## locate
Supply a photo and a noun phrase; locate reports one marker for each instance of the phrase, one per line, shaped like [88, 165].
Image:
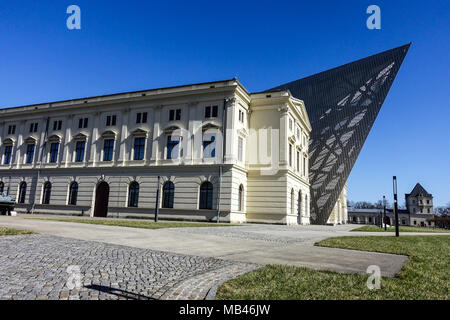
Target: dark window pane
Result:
[79, 151]
[47, 193]
[22, 192]
[108, 148]
[73, 193]
[172, 147]
[168, 194]
[85, 124]
[108, 120]
[171, 115]
[80, 123]
[113, 122]
[214, 111]
[138, 117]
[54, 152]
[206, 195]
[178, 116]
[207, 112]
[139, 148]
[8, 152]
[144, 117]
[30, 153]
[133, 194]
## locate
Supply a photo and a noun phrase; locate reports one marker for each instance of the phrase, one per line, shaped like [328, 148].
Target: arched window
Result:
[206, 195]
[306, 206]
[2, 187]
[168, 194]
[47, 193]
[133, 194]
[73, 193]
[292, 201]
[241, 198]
[22, 192]
[299, 209]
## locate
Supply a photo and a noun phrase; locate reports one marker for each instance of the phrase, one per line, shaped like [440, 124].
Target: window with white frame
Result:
[174, 114]
[241, 149]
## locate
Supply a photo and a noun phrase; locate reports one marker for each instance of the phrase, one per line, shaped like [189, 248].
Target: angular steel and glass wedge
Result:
[342, 105]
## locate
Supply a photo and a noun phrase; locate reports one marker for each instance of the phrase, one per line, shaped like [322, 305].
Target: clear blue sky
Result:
[133, 45]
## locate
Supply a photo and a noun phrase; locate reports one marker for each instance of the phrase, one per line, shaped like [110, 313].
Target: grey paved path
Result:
[259, 244]
[36, 267]
[178, 263]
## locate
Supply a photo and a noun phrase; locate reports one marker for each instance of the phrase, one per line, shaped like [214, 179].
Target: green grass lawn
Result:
[424, 276]
[401, 229]
[144, 224]
[12, 232]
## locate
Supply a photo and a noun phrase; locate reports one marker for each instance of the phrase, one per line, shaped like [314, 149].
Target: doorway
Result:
[101, 200]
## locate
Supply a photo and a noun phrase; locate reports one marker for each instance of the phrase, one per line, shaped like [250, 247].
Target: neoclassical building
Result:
[218, 150]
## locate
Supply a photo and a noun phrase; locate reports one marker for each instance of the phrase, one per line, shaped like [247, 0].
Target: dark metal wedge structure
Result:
[342, 105]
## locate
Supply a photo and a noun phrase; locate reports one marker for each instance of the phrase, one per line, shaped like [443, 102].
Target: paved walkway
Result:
[44, 267]
[215, 254]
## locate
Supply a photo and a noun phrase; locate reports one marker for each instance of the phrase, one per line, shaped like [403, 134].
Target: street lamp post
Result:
[157, 200]
[384, 212]
[395, 206]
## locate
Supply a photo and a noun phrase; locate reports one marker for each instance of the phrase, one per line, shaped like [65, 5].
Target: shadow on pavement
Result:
[119, 292]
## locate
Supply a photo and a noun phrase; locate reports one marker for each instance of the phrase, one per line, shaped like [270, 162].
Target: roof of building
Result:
[399, 211]
[357, 210]
[419, 191]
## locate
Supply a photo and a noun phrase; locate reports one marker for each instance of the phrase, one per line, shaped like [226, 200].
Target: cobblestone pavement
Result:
[36, 267]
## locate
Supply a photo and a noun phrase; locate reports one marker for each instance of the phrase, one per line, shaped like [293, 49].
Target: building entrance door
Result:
[101, 200]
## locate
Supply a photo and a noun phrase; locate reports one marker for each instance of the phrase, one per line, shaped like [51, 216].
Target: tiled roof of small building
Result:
[419, 191]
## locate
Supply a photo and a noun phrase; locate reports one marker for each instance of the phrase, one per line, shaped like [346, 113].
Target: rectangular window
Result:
[108, 148]
[111, 120]
[54, 152]
[298, 161]
[209, 147]
[57, 124]
[33, 127]
[241, 116]
[141, 117]
[240, 148]
[171, 115]
[214, 111]
[12, 129]
[79, 151]
[30, 153]
[8, 152]
[172, 147]
[208, 112]
[82, 123]
[178, 114]
[139, 147]
[290, 155]
[304, 166]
